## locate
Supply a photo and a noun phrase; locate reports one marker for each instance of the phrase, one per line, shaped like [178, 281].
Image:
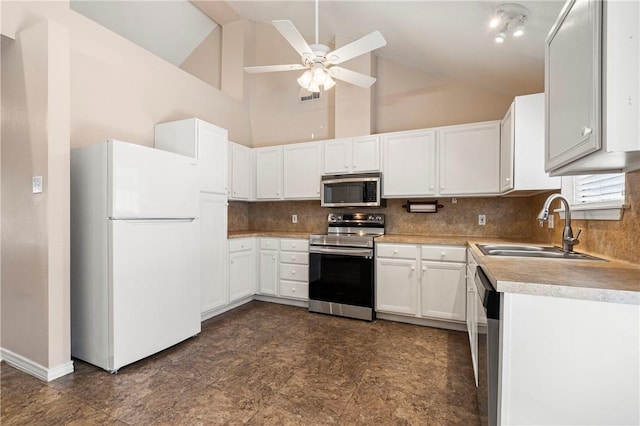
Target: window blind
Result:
[598, 188]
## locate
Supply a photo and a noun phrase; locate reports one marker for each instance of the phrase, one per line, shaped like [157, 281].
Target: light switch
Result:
[36, 183]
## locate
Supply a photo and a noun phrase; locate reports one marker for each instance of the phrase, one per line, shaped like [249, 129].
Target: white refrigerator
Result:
[135, 284]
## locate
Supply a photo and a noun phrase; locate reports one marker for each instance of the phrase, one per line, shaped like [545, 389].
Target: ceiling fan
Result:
[319, 62]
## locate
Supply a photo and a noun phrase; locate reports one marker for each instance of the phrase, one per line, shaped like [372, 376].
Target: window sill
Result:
[605, 211]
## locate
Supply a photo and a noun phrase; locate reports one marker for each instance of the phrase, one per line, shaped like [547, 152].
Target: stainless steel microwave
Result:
[358, 190]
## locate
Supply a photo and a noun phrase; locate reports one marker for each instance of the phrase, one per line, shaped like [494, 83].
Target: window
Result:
[597, 197]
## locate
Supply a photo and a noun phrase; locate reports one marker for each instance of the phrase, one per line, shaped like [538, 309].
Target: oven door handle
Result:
[366, 253]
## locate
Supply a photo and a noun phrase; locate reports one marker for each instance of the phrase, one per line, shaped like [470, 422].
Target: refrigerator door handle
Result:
[155, 220]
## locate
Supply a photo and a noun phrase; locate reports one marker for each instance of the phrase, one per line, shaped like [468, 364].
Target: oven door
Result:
[341, 275]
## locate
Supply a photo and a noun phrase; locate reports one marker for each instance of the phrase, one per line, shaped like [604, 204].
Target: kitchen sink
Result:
[545, 252]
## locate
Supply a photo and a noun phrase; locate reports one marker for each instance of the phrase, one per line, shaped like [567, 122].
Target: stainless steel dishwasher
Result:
[488, 349]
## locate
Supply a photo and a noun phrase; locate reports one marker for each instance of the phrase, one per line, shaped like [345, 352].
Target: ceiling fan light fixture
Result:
[319, 75]
[329, 83]
[518, 31]
[500, 37]
[305, 79]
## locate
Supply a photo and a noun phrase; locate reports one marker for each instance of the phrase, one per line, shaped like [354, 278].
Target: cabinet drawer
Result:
[294, 272]
[444, 253]
[293, 289]
[294, 245]
[268, 243]
[403, 251]
[294, 257]
[240, 244]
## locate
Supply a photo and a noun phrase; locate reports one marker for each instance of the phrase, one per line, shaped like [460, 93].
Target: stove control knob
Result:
[332, 217]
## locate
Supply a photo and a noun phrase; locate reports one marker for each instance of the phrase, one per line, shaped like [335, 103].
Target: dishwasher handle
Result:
[488, 294]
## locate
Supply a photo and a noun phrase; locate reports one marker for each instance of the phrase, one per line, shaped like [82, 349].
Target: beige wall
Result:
[35, 227]
[616, 239]
[205, 60]
[407, 98]
[119, 90]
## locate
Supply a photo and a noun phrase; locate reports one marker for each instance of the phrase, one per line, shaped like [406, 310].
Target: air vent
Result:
[306, 96]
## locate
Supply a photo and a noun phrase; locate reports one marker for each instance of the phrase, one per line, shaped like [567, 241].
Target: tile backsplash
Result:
[506, 217]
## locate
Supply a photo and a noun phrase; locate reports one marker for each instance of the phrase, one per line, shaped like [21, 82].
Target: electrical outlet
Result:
[36, 184]
[482, 219]
[454, 201]
[294, 218]
[550, 221]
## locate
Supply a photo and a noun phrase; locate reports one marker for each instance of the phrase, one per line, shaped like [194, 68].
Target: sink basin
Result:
[545, 252]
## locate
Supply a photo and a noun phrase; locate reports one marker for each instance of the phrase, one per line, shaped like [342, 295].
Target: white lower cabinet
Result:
[294, 268]
[268, 267]
[242, 267]
[396, 286]
[435, 291]
[284, 268]
[214, 287]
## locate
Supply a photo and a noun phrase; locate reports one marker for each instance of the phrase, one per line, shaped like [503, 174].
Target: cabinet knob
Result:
[413, 268]
[586, 131]
[293, 245]
[293, 272]
[424, 269]
[346, 166]
[443, 254]
[274, 258]
[293, 258]
[395, 252]
[508, 179]
[277, 192]
[232, 261]
[293, 290]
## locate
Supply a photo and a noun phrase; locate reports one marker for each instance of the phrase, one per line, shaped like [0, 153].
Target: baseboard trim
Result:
[449, 325]
[33, 368]
[282, 300]
[215, 312]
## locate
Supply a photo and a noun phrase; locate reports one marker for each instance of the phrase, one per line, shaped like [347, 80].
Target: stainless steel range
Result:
[341, 265]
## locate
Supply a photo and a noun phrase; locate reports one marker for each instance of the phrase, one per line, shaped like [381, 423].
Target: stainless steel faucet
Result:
[568, 240]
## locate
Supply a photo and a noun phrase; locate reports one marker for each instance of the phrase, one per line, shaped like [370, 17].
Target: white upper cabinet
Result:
[469, 159]
[269, 173]
[352, 155]
[302, 165]
[240, 172]
[522, 148]
[409, 164]
[201, 140]
[593, 89]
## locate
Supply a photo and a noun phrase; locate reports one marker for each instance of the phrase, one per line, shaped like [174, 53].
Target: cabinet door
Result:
[242, 273]
[470, 159]
[240, 172]
[302, 170]
[507, 142]
[213, 252]
[269, 173]
[212, 158]
[337, 157]
[396, 286]
[268, 272]
[572, 84]
[472, 326]
[409, 164]
[443, 294]
[366, 154]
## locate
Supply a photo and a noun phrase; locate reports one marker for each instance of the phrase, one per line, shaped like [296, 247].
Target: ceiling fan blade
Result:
[352, 77]
[274, 68]
[293, 36]
[359, 47]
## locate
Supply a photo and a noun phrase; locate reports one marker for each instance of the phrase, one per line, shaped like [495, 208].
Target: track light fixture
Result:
[509, 19]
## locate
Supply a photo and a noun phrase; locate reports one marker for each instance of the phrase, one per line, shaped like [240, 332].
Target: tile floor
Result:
[266, 364]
